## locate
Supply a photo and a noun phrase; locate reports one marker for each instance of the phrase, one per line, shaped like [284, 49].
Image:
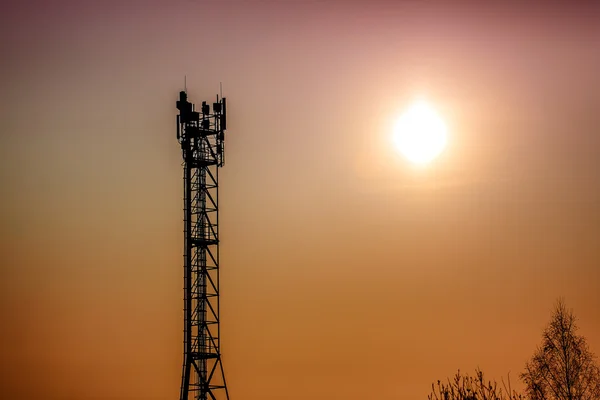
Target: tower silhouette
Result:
[201, 135]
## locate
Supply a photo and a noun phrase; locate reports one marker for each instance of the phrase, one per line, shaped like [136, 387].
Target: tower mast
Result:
[201, 135]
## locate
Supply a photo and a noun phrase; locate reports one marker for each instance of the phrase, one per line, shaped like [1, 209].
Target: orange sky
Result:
[346, 272]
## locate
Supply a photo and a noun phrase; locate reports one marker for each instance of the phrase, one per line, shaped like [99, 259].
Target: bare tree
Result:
[465, 387]
[563, 367]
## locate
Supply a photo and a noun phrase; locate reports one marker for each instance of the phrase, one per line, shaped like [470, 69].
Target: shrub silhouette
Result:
[466, 387]
[562, 368]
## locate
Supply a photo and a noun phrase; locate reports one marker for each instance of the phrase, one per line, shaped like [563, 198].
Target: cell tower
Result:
[201, 135]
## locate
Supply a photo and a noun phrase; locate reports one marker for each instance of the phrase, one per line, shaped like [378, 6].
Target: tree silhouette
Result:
[465, 387]
[563, 367]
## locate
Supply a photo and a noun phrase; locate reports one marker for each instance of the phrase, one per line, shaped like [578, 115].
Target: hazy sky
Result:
[346, 272]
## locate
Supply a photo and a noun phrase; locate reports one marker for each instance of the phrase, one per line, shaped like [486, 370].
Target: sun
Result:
[420, 134]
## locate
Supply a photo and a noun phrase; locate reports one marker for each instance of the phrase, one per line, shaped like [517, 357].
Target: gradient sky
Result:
[346, 272]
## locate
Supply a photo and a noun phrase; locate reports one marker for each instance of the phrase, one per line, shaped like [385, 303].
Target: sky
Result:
[346, 271]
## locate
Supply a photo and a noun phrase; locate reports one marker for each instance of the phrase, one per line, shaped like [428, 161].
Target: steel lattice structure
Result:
[201, 135]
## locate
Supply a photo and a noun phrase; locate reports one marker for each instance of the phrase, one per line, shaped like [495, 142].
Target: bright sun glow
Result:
[420, 134]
